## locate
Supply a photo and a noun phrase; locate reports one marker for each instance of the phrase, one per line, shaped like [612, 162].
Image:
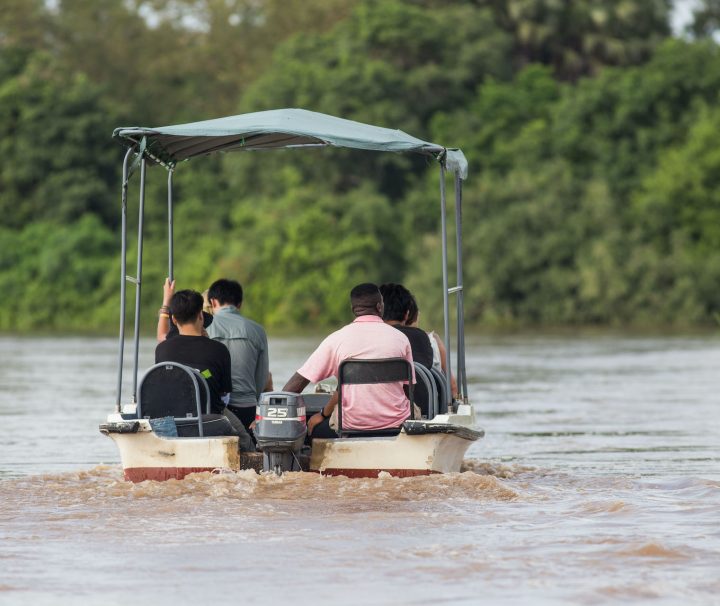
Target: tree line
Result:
[589, 127]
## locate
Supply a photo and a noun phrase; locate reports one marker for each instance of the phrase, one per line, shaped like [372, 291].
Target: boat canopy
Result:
[279, 128]
[276, 129]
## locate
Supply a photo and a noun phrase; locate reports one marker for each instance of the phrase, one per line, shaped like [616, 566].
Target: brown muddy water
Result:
[598, 483]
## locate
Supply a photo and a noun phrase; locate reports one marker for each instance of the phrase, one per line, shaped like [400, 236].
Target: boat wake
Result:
[498, 470]
[103, 483]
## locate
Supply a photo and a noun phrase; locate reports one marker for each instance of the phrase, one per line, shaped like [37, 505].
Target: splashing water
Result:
[598, 483]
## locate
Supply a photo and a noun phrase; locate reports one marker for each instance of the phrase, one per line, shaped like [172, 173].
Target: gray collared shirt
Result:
[247, 342]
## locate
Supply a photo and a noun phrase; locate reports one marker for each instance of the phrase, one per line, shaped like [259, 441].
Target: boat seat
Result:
[426, 393]
[367, 372]
[170, 389]
[442, 390]
[422, 391]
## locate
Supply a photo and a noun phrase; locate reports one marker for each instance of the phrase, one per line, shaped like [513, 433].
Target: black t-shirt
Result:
[210, 357]
[419, 344]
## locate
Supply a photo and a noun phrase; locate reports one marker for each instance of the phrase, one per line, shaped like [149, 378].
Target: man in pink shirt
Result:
[376, 406]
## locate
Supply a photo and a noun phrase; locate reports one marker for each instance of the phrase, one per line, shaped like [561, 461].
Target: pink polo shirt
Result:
[376, 406]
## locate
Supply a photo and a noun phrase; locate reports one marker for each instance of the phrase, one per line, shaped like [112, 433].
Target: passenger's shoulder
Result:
[256, 325]
[392, 330]
[343, 331]
[161, 348]
[254, 330]
[400, 335]
[417, 331]
[215, 344]
[335, 338]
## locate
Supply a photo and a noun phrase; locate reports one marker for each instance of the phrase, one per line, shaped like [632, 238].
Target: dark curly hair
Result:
[413, 312]
[399, 302]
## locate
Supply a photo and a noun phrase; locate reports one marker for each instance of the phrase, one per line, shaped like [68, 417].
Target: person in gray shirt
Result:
[247, 342]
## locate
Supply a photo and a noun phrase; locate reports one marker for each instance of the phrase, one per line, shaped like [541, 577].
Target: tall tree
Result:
[705, 19]
[23, 24]
[577, 38]
[168, 61]
[54, 137]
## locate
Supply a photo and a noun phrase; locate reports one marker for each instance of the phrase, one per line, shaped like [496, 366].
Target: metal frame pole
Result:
[170, 226]
[461, 374]
[123, 273]
[138, 279]
[446, 304]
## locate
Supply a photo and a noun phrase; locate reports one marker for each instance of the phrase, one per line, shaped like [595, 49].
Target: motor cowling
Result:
[280, 430]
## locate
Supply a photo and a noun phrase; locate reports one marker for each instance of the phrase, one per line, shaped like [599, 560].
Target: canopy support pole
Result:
[446, 304]
[461, 374]
[123, 272]
[171, 274]
[138, 279]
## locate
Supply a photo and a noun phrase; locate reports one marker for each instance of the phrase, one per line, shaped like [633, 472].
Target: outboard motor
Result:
[280, 430]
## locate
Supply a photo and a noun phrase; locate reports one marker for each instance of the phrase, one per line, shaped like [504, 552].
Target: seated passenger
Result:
[398, 303]
[439, 357]
[210, 358]
[365, 407]
[247, 342]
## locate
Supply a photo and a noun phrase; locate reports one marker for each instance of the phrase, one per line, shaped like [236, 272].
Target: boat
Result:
[435, 443]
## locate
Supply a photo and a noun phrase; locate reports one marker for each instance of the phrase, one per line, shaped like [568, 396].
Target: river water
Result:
[598, 482]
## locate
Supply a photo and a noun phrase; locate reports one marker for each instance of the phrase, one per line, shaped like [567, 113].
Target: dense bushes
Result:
[592, 195]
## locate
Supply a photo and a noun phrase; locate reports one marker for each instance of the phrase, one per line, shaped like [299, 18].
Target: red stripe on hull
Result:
[373, 473]
[160, 474]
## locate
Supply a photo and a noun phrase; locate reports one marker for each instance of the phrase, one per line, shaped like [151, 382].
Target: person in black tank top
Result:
[398, 303]
[439, 357]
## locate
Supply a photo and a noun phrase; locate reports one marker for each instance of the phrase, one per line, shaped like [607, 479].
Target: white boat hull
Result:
[147, 456]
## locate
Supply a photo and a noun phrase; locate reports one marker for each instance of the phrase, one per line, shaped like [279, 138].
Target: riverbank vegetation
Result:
[591, 130]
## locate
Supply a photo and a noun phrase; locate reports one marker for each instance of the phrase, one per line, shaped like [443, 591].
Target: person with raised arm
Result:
[210, 358]
[166, 328]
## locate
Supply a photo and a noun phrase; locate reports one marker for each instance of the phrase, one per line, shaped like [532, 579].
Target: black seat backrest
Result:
[170, 389]
[422, 392]
[367, 372]
[426, 395]
[442, 389]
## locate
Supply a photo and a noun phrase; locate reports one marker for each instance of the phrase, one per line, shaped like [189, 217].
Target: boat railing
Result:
[144, 146]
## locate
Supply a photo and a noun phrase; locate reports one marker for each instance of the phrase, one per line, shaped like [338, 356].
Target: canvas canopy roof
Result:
[278, 128]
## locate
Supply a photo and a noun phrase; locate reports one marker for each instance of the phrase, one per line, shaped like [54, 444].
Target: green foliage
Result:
[56, 274]
[679, 207]
[392, 63]
[616, 124]
[706, 19]
[302, 252]
[57, 163]
[520, 113]
[592, 195]
[597, 202]
[689, 172]
[171, 61]
[579, 38]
